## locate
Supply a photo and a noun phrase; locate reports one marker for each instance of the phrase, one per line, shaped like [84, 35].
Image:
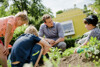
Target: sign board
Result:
[68, 27]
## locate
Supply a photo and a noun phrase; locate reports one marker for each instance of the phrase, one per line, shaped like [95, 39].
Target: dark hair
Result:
[46, 16]
[91, 19]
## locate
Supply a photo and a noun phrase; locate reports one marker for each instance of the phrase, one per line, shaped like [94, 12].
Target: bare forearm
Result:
[8, 35]
[46, 39]
[42, 38]
[43, 42]
[8, 38]
[59, 40]
[85, 43]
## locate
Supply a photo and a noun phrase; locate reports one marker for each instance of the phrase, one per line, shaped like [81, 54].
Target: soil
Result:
[75, 60]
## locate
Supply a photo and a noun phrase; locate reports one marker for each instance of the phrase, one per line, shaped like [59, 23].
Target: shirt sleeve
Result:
[41, 33]
[60, 30]
[11, 21]
[36, 39]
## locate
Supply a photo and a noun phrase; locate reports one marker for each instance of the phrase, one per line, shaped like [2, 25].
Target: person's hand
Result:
[6, 51]
[51, 41]
[46, 49]
[54, 43]
[75, 51]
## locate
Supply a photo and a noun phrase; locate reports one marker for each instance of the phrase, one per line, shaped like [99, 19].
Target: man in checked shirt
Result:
[53, 32]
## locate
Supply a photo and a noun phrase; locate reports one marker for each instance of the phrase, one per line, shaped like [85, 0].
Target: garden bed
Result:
[76, 60]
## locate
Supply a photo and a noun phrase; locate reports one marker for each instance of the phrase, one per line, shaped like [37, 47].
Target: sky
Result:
[56, 5]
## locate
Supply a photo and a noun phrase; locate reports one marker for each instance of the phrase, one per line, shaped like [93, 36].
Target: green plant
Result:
[93, 50]
[70, 42]
[54, 55]
[9, 63]
[68, 52]
[93, 47]
[47, 62]
[20, 30]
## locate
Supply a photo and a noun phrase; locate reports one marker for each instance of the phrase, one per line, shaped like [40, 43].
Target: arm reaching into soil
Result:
[46, 46]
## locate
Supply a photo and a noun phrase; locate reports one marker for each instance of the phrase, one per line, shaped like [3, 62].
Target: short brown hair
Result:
[31, 30]
[85, 22]
[22, 15]
[46, 16]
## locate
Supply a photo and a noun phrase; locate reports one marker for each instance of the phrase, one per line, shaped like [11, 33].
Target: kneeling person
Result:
[22, 47]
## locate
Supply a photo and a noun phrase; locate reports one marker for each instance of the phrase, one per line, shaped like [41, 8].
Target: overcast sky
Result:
[56, 5]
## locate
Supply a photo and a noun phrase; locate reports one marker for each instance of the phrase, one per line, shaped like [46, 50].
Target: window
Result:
[68, 27]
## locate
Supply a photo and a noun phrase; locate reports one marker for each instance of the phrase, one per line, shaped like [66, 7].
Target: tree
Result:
[96, 7]
[1, 0]
[75, 6]
[3, 7]
[87, 11]
[34, 7]
[59, 12]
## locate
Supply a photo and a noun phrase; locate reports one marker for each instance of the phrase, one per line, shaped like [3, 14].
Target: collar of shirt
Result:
[50, 27]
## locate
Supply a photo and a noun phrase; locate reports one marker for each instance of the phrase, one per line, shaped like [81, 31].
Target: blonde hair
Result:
[22, 15]
[31, 30]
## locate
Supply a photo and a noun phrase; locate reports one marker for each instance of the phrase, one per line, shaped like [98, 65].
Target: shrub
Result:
[59, 12]
[20, 30]
[70, 42]
[93, 50]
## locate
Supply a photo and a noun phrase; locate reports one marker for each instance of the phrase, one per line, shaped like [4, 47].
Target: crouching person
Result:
[22, 48]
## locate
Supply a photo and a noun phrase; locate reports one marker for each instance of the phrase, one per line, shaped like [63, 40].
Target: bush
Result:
[20, 30]
[70, 42]
[59, 12]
